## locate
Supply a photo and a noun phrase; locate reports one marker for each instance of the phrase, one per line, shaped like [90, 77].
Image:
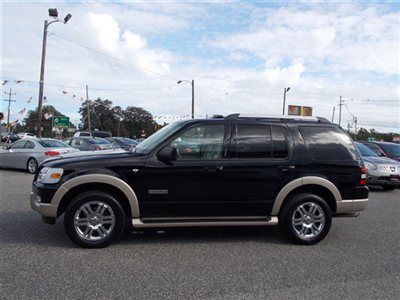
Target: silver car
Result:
[27, 154]
[381, 171]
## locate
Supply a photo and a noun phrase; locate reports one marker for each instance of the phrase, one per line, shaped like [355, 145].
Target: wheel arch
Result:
[313, 184]
[73, 187]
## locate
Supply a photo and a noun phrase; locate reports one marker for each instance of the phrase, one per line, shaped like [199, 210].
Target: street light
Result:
[54, 14]
[285, 90]
[192, 83]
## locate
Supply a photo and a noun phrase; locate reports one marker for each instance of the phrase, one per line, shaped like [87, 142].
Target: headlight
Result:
[370, 166]
[50, 175]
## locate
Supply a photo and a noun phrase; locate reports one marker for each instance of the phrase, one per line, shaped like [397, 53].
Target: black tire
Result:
[93, 197]
[288, 211]
[32, 165]
[388, 187]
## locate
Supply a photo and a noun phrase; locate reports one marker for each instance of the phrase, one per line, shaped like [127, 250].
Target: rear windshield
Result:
[328, 143]
[52, 144]
[97, 141]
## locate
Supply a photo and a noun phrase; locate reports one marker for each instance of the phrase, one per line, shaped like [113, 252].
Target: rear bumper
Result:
[351, 206]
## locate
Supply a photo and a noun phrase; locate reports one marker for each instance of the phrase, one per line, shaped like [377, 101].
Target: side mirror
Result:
[168, 154]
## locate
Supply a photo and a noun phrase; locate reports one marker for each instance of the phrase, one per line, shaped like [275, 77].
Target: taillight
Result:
[51, 153]
[363, 180]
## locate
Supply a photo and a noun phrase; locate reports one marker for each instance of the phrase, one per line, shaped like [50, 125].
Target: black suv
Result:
[233, 171]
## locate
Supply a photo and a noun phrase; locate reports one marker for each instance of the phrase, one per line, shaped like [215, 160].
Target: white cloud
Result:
[320, 52]
[289, 75]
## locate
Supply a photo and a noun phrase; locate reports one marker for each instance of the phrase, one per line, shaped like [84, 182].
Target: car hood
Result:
[95, 159]
[380, 160]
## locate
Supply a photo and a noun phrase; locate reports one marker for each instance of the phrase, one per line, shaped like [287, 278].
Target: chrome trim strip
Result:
[137, 223]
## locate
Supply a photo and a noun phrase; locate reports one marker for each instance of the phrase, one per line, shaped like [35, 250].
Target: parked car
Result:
[27, 154]
[88, 144]
[9, 138]
[385, 149]
[23, 135]
[95, 133]
[381, 171]
[123, 143]
[245, 171]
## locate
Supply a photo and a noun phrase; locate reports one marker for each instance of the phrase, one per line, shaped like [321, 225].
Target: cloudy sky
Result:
[241, 56]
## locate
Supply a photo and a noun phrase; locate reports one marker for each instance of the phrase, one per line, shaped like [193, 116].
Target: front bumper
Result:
[45, 209]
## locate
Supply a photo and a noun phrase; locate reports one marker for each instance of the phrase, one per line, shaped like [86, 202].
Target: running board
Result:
[202, 222]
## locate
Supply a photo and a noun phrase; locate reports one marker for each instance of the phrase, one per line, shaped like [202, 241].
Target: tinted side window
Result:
[252, 141]
[279, 144]
[29, 145]
[201, 142]
[18, 145]
[328, 143]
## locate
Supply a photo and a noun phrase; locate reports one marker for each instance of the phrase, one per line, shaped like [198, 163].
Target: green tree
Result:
[32, 117]
[138, 121]
[102, 116]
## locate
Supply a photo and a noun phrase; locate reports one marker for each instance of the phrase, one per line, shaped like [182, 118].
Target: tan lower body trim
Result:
[349, 206]
[137, 223]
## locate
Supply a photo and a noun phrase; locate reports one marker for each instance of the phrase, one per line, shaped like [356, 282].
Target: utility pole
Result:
[41, 82]
[285, 90]
[340, 110]
[333, 113]
[54, 14]
[192, 99]
[355, 128]
[88, 107]
[192, 84]
[10, 93]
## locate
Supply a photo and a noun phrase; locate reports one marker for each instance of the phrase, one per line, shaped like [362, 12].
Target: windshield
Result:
[365, 151]
[52, 144]
[392, 149]
[97, 141]
[156, 138]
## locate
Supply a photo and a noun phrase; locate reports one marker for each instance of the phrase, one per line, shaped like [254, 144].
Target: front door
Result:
[188, 187]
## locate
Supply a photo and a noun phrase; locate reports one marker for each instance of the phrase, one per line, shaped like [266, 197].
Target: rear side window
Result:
[252, 141]
[328, 143]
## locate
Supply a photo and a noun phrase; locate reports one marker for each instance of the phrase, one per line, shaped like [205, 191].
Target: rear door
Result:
[258, 167]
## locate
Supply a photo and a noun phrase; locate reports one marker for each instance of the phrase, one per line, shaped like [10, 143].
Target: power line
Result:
[94, 88]
[115, 58]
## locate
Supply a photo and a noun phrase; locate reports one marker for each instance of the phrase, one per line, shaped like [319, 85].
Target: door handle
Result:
[213, 169]
[286, 168]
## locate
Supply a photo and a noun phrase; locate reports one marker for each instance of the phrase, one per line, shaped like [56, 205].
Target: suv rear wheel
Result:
[94, 219]
[306, 219]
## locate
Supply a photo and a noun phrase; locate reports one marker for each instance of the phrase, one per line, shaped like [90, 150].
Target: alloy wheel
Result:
[94, 221]
[308, 220]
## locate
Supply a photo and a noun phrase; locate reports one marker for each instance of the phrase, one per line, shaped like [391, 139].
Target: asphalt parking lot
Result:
[359, 259]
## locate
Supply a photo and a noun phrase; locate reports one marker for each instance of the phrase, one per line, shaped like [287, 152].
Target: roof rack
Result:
[279, 118]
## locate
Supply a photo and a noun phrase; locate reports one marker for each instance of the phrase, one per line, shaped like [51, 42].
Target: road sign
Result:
[371, 139]
[60, 122]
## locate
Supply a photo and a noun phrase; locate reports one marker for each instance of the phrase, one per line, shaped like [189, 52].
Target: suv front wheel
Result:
[94, 219]
[306, 219]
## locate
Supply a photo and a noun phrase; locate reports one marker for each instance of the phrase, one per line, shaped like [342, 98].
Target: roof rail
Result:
[278, 117]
